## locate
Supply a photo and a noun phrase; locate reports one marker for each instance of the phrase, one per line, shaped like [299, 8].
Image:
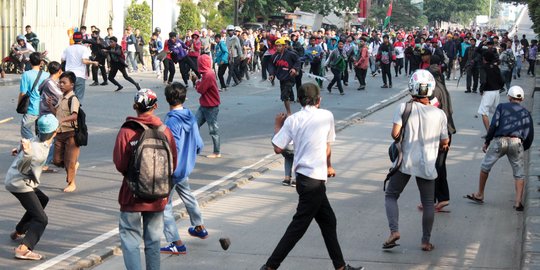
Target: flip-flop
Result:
[440, 209]
[473, 198]
[390, 244]
[49, 170]
[429, 247]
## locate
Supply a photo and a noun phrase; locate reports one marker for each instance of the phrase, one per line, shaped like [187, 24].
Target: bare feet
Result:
[70, 188]
[440, 205]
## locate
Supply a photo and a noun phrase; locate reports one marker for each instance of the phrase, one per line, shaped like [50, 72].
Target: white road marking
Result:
[55, 260]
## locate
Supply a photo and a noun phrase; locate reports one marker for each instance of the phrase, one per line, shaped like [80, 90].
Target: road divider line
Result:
[82, 247]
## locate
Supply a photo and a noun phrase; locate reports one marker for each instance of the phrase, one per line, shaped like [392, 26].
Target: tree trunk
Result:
[85, 8]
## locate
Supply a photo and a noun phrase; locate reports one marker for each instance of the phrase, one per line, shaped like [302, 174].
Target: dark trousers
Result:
[265, 61]
[386, 74]
[168, 70]
[315, 69]
[101, 68]
[449, 68]
[337, 79]
[35, 220]
[120, 67]
[398, 66]
[361, 75]
[345, 75]
[407, 66]
[221, 71]
[298, 81]
[441, 183]
[312, 204]
[234, 71]
[531, 67]
[472, 78]
[186, 64]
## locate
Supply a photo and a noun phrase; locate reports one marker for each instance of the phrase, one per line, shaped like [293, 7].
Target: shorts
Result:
[490, 100]
[286, 89]
[512, 148]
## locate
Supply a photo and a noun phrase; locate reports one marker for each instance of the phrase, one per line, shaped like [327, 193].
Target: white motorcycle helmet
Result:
[421, 84]
[230, 27]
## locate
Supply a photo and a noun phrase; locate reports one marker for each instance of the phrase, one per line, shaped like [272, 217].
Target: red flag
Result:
[389, 12]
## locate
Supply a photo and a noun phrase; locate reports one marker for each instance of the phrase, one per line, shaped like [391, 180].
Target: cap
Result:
[77, 36]
[237, 29]
[48, 123]
[230, 27]
[157, 29]
[204, 30]
[516, 92]
[196, 33]
[274, 26]
[145, 99]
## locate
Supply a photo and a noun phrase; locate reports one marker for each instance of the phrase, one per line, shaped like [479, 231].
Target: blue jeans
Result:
[519, 64]
[192, 206]
[28, 123]
[80, 85]
[131, 59]
[210, 114]
[289, 159]
[132, 232]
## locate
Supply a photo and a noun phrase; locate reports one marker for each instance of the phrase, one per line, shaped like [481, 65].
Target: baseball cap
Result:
[77, 36]
[145, 99]
[516, 92]
[47, 123]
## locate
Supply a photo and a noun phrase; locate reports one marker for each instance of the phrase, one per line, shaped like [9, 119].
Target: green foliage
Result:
[534, 13]
[325, 7]
[214, 14]
[189, 17]
[462, 11]
[140, 16]
[404, 13]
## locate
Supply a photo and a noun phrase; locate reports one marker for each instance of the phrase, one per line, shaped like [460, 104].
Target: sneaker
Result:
[201, 233]
[138, 86]
[286, 182]
[119, 88]
[467, 91]
[384, 86]
[293, 183]
[173, 249]
[214, 156]
[94, 84]
[104, 83]
[27, 255]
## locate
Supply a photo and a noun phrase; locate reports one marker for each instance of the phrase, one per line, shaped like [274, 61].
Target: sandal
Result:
[439, 207]
[391, 243]
[473, 198]
[27, 255]
[428, 247]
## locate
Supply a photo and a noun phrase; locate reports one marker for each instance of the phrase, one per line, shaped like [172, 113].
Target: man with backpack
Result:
[337, 63]
[141, 212]
[284, 65]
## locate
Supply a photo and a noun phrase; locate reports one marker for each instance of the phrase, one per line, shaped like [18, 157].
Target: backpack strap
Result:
[69, 106]
[404, 119]
[132, 124]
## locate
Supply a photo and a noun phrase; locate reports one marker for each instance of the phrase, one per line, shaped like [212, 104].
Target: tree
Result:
[404, 13]
[213, 14]
[189, 18]
[139, 16]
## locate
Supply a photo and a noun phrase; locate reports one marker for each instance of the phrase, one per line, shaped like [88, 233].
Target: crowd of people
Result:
[426, 57]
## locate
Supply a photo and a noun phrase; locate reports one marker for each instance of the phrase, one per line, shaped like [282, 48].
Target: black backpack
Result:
[151, 164]
[81, 130]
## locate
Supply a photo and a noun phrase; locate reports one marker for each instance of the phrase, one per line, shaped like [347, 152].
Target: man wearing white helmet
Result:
[421, 141]
[510, 133]
[21, 51]
[235, 53]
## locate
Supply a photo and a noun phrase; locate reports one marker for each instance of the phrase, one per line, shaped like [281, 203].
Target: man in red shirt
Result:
[209, 101]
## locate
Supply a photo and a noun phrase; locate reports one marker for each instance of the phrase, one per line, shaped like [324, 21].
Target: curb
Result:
[530, 252]
[239, 181]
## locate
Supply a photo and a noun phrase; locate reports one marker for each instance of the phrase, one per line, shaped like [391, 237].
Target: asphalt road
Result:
[246, 126]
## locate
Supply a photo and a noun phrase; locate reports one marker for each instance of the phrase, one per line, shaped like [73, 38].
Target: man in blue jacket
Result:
[183, 125]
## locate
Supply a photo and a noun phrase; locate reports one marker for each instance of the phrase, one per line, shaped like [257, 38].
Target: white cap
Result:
[516, 92]
[204, 30]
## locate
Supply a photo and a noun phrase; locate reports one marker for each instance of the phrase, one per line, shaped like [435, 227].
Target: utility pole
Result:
[235, 12]
[85, 8]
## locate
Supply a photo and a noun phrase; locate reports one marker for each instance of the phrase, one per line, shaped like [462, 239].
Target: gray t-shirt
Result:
[48, 88]
[425, 129]
[24, 173]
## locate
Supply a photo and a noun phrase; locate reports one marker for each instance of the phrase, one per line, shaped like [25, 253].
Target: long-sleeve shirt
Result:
[25, 171]
[281, 64]
[511, 120]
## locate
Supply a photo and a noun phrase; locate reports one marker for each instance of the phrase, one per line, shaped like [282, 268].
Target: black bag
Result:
[22, 106]
[81, 130]
[151, 165]
[395, 152]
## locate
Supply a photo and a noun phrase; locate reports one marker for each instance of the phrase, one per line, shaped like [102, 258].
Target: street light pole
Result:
[235, 12]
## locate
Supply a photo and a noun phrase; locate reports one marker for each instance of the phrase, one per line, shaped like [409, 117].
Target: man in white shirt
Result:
[77, 56]
[312, 130]
[426, 132]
